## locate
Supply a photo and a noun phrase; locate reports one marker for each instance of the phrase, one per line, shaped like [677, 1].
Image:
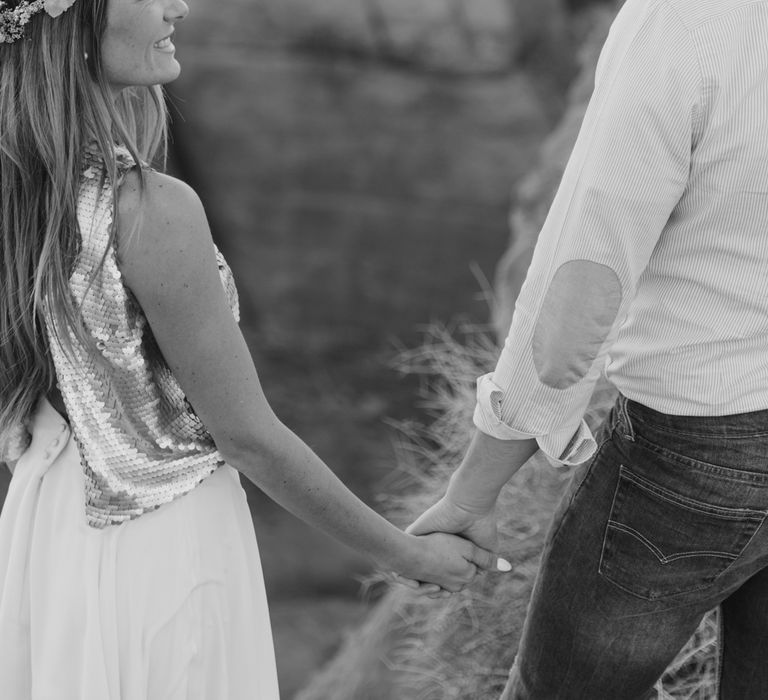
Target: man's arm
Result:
[627, 172]
[488, 464]
[468, 507]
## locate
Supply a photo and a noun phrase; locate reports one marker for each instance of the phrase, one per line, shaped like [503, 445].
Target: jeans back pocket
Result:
[659, 542]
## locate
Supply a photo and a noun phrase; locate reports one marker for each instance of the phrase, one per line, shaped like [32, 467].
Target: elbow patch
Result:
[577, 315]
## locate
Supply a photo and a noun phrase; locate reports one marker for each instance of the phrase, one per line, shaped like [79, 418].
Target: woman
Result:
[128, 563]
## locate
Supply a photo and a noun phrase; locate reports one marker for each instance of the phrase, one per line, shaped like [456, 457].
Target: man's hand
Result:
[447, 516]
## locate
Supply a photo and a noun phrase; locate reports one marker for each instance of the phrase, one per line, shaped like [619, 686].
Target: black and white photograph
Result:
[383, 349]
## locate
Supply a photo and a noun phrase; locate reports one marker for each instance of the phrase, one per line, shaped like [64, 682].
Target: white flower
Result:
[55, 7]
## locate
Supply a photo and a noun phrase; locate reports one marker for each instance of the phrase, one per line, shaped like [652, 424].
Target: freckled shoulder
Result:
[160, 225]
[161, 201]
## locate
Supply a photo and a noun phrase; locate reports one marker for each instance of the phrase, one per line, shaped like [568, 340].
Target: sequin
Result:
[141, 443]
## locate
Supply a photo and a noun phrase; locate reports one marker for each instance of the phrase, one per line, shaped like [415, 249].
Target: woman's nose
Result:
[176, 11]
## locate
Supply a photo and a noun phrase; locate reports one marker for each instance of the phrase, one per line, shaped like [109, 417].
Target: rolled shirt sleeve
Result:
[626, 174]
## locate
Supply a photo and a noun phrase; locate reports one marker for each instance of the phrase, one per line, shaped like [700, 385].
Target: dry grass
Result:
[461, 648]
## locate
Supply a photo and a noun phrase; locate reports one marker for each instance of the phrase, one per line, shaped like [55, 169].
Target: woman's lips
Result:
[165, 45]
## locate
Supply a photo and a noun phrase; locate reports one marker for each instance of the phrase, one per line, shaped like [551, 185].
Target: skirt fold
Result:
[170, 606]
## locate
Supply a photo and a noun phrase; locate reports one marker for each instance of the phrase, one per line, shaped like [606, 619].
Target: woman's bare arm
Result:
[167, 259]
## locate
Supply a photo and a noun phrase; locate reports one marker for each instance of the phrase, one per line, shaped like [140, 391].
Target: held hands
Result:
[450, 562]
[468, 508]
[446, 563]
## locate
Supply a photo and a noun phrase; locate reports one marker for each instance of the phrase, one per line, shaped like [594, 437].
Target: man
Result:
[652, 267]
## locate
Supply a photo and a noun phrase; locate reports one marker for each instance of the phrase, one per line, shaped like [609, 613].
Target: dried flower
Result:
[55, 7]
[14, 19]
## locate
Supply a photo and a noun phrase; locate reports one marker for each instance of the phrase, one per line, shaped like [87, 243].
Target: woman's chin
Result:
[165, 69]
[156, 77]
[171, 73]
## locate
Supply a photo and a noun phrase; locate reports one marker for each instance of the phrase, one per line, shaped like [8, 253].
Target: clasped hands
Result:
[458, 534]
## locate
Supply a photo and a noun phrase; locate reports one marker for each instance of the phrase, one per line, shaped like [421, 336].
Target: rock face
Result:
[356, 158]
[480, 36]
[463, 649]
[354, 197]
[353, 191]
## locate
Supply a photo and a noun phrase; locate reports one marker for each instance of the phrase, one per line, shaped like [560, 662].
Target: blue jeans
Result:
[665, 522]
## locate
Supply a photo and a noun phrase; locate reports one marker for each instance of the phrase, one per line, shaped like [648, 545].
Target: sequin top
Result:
[140, 441]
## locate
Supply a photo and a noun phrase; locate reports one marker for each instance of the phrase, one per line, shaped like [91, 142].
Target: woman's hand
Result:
[448, 517]
[447, 561]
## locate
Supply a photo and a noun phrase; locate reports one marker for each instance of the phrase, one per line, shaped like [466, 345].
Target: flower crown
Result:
[14, 19]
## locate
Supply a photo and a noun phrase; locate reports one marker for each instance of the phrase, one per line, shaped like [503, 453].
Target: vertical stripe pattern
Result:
[667, 186]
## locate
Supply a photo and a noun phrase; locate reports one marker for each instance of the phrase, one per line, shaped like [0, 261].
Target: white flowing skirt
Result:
[170, 606]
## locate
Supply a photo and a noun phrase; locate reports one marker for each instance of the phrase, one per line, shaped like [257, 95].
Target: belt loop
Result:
[625, 423]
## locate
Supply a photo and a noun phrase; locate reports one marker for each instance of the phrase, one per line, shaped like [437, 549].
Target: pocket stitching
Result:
[688, 433]
[690, 503]
[726, 473]
[660, 555]
[631, 531]
[657, 595]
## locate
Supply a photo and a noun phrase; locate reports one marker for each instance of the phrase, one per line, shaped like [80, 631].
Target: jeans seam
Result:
[605, 530]
[596, 456]
[720, 652]
[743, 549]
[628, 430]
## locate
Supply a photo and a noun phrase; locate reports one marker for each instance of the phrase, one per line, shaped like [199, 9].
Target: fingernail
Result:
[503, 565]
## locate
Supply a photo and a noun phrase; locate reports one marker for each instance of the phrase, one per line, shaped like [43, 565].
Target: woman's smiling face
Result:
[136, 46]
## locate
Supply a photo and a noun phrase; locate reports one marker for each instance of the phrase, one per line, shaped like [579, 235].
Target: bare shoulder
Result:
[150, 201]
[161, 227]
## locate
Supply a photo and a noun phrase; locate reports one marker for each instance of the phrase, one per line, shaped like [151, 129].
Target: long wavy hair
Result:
[54, 102]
